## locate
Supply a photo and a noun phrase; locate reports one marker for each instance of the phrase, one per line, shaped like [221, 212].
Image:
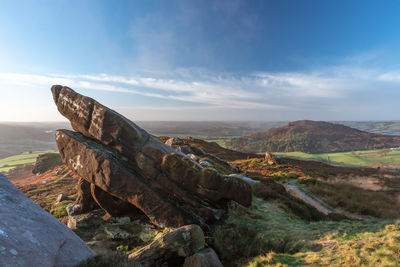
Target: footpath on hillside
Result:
[321, 206]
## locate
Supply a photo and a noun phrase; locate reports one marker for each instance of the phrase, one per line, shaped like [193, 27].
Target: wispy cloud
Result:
[222, 93]
[264, 91]
[391, 76]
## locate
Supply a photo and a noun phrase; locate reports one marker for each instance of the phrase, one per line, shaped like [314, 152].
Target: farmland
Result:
[369, 158]
[26, 158]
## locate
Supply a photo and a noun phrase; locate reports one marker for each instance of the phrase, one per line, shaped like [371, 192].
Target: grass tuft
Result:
[354, 199]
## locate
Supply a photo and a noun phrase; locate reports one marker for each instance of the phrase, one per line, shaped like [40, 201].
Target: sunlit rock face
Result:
[29, 236]
[123, 160]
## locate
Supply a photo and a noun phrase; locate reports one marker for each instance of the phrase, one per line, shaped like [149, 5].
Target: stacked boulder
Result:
[125, 169]
[197, 154]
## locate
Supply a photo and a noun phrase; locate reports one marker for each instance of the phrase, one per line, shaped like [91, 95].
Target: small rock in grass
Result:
[62, 197]
[204, 258]
[205, 163]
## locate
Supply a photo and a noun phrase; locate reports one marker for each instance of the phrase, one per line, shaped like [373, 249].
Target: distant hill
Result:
[16, 138]
[312, 137]
[207, 129]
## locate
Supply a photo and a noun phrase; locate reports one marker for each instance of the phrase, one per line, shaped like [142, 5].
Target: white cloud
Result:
[392, 76]
[263, 91]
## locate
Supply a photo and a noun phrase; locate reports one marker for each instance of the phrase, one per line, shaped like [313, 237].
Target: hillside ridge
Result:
[312, 137]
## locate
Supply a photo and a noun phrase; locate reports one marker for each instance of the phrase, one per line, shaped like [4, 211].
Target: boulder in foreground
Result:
[29, 236]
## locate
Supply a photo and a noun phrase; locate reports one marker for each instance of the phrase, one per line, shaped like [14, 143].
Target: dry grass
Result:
[380, 248]
[365, 249]
[267, 226]
[354, 199]
[268, 189]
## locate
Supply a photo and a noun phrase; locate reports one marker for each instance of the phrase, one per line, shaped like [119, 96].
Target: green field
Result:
[369, 158]
[10, 163]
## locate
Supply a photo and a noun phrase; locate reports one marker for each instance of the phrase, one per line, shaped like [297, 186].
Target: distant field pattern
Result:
[25, 158]
[378, 127]
[369, 158]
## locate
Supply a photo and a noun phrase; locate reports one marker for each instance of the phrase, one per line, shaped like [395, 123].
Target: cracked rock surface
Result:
[29, 236]
[123, 160]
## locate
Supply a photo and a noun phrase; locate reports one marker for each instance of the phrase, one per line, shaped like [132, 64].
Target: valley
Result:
[211, 133]
[337, 208]
[276, 229]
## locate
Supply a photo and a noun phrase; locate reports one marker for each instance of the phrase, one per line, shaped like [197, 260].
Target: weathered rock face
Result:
[94, 120]
[29, 236]
[84, 202]
[125, 161]
[114, 206]
[184, 242]
[204, 258]
[114, 174]
[46, 162]
[195, 153]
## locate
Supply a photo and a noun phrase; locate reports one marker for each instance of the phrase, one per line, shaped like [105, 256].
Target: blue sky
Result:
[203, 60]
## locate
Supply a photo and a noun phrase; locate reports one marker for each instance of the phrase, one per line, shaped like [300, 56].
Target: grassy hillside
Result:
[369, 158]
[16, 138]
[268, 226]
[277, 230]
[25, 158]
[312, 137]
[380, 248]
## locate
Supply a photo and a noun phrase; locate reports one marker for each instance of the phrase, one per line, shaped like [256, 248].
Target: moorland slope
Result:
[312, 137]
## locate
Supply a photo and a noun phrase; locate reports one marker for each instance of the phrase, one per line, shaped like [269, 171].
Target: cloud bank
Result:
[331, 92]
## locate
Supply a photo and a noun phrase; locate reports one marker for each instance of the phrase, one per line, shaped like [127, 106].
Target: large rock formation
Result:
[120, 158]
[29, 236]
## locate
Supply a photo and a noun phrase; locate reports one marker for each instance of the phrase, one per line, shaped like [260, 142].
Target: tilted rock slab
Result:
[113, 173]
[29, 236]
[124, 160]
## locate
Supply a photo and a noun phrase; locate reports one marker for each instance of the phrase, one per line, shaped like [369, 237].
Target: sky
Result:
[222, 60]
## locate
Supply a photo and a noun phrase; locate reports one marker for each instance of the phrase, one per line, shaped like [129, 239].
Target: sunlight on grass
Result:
[368, 158]
[10, 163]
[381, 248]
[269, 226]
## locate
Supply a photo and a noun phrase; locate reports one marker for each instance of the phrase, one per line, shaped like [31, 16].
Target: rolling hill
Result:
[312, 137]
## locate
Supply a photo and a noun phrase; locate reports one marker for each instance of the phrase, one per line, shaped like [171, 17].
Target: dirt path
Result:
[319, 204]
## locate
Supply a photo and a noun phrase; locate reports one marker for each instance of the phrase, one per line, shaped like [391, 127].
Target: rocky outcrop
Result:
[183, 242]
[46, 162]
[120, 158]
[29, 236]
[270, 159]
[196, 153]
[204, 258]
[84, 202]
[114, 206]
[199, 147]
[61, 197]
